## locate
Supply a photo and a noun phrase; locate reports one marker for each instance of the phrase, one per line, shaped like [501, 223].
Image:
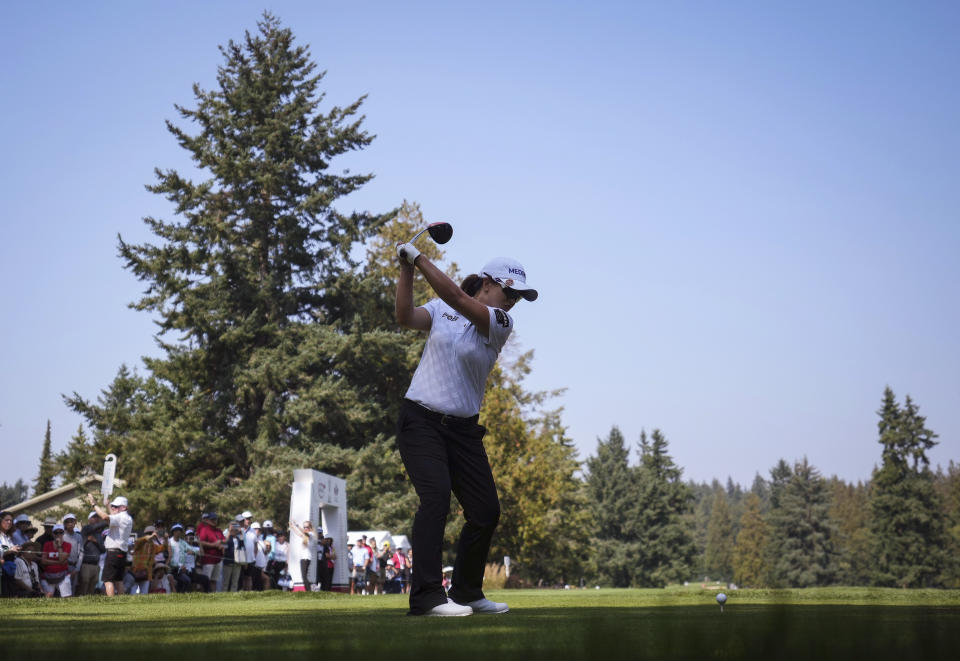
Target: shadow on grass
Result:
[673, 632]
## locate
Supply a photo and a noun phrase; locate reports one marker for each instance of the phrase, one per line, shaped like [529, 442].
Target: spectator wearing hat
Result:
[54, 562]
[22, 524]
[145, 550]
[26, 576]
[361, 560]
[72, 535]
[250, 549]
[212, 542]
[328, 560]
[179, 550]
[197, 577]
[277, 566]
[92, 549]
[261, 551]
[403, 568]
[234, 559]
[47, 535]
[120, 527]
[391, 578]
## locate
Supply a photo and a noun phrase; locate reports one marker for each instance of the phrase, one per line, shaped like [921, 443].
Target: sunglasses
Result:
[58, 532]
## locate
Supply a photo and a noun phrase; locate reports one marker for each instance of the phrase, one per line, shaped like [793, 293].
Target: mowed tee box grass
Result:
[845, 623]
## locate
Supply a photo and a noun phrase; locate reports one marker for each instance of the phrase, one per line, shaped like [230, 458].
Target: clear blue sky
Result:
[744, 220]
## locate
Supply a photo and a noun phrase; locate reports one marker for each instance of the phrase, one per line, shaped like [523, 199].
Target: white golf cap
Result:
[69, 516]
[255, 524]
[508, 272]
[22, 518]
[119, 501]
[247, 515]
[58, 527]
[268, 523]
[91, 515]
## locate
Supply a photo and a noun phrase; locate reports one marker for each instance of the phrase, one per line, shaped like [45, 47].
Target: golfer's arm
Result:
[407, 315]
[451, 294]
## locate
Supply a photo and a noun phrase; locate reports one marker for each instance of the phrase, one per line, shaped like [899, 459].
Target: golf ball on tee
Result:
[721, 599]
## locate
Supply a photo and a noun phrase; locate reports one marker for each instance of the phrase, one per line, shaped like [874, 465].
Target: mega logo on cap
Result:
[517, 271]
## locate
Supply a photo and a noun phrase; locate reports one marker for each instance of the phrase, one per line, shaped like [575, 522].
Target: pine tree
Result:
[47, 470]
[850, 510]
[261, 313]
[611, 494]
[77, 459]
[801, 530]
[664, 516]
[750, 558]
[609, 485]
[907, 525]
[718, 554]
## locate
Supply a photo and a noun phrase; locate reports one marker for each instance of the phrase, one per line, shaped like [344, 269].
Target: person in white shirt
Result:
[361, 559]
[439, 437]
[116, 542]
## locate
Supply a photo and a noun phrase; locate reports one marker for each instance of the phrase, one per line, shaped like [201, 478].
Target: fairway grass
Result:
[682, 623]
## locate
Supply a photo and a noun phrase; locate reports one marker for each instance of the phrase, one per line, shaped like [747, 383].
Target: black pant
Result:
[440, 456]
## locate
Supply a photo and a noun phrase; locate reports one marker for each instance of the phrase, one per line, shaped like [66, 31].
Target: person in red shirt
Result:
[56, 571]
[213, 542]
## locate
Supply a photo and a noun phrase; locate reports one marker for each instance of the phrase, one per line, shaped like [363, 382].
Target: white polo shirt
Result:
[121, 526]
[457, 360]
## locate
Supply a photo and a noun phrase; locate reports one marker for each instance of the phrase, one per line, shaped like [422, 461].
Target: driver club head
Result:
[440, 232]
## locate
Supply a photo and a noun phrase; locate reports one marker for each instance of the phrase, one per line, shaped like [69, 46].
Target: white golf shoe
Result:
[449, 609]
[486, 606]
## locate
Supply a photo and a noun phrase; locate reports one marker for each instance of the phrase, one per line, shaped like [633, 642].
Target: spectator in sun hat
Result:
[197, 577]
[72, 535]
[258, 577]
[234, 559]
[120, 526]
[179, 550]
[55, 577]
[47, 535]
[22, 523]
[212, 541]
[145, 551]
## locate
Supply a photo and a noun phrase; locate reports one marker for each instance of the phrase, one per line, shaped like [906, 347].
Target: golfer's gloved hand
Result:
[408, 251]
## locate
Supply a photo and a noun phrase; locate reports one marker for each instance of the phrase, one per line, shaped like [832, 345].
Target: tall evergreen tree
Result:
[610, 488]
[850, 510]
[718, 554]
[750, 559]
[664, 516]
[266, 351]
[801, 530]
[907, 522]
[77, 459]
[611, 494]
[47, 470]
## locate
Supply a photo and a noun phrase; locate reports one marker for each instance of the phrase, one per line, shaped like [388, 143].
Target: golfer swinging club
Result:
[439, 438]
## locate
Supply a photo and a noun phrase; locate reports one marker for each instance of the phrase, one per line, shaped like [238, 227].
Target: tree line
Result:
[279, 350]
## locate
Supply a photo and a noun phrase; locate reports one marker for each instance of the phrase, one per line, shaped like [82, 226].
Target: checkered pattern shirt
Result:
[456, 361]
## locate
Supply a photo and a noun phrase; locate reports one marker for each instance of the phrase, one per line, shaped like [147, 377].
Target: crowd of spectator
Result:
[106, 556]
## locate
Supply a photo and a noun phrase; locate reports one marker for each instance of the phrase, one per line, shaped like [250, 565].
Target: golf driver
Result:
[439, 232]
